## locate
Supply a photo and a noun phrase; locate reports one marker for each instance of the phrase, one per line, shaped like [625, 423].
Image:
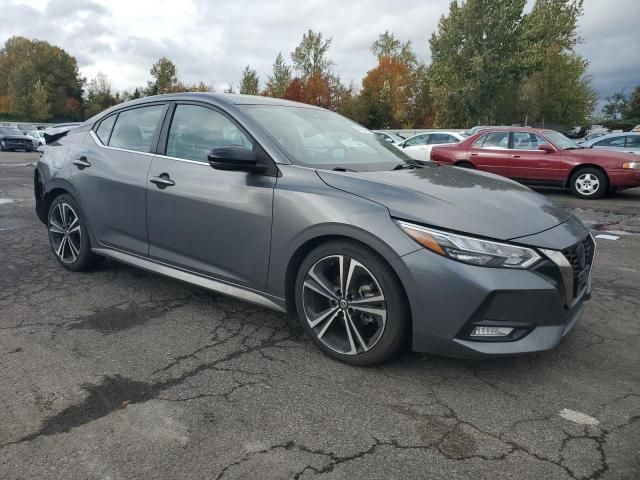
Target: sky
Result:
[214, 40]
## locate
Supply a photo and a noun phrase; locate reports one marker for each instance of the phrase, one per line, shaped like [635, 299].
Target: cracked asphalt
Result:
[121, 374]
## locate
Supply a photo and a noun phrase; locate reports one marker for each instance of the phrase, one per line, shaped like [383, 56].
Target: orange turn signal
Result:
[424, 239]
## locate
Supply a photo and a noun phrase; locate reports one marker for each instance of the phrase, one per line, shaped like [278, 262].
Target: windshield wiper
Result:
[342, 169]
[402, 166]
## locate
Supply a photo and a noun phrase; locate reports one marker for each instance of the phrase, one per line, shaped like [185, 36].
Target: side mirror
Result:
[546, 148]
[234, 157]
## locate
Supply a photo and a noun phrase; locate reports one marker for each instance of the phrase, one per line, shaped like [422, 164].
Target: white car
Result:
[388, 137]
[39, 136]
[419, 146]
[622, 142]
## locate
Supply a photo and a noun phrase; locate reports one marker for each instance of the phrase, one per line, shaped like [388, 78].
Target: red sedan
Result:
[540, 157]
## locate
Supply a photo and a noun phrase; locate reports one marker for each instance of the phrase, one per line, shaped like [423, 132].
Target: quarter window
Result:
[195, 131]
[134, 128]
[104, 130]
[527, 141]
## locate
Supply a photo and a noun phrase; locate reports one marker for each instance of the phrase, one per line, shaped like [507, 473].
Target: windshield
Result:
[10, 131]
[321, 139]
[560, 141]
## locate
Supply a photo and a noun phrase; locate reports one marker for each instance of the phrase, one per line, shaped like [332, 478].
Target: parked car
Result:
[12, 139]
[419, 146]
[636, 129]
[543, 158]
[361, 244]
[38, 135]
[621, 142]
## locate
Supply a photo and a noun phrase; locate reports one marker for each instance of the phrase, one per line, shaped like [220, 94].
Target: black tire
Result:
[465, 165]
[589, 182]
[393, 335]
[81, 260]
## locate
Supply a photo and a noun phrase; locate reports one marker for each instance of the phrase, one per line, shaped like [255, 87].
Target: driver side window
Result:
[196, 130]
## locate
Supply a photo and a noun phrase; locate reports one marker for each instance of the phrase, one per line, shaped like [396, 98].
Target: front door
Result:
[416, 147]
[110, 172]
[214, 222]
[535, 166]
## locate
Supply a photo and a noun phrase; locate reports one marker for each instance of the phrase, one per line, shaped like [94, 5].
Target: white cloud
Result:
[213, 41]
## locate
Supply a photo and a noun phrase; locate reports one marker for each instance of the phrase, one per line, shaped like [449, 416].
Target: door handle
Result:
[162, 181]
[81, 162]
[474, 154]
[516, 156]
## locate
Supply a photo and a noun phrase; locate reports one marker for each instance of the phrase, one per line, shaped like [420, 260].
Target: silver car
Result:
[300, 210]
[623, 142]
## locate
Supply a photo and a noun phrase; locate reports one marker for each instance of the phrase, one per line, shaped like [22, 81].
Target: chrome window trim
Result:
[232, 290]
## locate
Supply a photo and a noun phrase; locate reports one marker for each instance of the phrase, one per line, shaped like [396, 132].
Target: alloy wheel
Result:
[344, 305]
[65, 232]
[587, 184]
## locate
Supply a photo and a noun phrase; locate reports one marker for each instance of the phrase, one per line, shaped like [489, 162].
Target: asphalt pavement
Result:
[122, 374]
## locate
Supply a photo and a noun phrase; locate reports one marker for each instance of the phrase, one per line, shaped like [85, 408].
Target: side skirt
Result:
[208, 283]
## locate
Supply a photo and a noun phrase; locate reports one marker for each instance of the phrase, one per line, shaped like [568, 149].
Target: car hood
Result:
[594, 154]
[455, 199]
[14, 137]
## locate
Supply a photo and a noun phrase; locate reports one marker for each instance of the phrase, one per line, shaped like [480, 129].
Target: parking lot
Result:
[120, 374]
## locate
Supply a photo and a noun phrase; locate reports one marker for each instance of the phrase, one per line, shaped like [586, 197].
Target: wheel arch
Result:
[350, 234]
[581, 166]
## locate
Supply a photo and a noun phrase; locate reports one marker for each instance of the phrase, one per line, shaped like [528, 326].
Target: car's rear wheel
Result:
[68, 235]
[465, 165]
[589, 183]
[351, 303]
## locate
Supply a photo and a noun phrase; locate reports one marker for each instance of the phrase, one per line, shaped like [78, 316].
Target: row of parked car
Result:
[536, 157]
[27, 137]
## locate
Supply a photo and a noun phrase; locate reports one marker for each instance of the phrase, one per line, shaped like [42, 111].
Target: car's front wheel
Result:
[351, 303]
[68, 234]
[589, 183]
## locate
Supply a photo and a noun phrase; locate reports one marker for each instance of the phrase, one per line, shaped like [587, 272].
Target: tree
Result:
[617, 106]
[310, 57]
[280, 79]
[99, 96]
[633, 108]
[475, 60]
[555, 87]
[165, 77]
[387, 45]
[229, 89]
[56, 69]
[250, 82]
[28, 95]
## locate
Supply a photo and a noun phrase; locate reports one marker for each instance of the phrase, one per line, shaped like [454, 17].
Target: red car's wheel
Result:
[589, 183]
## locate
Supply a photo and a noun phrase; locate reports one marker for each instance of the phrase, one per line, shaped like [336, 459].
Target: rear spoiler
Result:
[50, 138]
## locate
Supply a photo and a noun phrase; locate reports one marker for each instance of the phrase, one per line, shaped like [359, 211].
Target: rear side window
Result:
[494, 140]
[195, 131]
[104, 130]
[134, 129]
[611, 142]
[439, 138]
[633, 141]
[417, 140]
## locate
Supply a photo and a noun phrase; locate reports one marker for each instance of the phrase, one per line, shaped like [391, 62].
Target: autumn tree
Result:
[250, 82]
[56, 69]
[99, 95]
[28, 94]
[280, 78]
[165, 77]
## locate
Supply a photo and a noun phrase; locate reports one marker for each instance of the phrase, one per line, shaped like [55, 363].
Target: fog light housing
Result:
[491, 332]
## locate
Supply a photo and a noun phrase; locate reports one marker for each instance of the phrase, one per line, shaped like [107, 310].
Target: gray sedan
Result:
[623, 142]
[301, 210]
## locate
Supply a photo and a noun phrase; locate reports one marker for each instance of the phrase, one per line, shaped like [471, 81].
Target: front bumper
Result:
[448, 299]
[624, 178]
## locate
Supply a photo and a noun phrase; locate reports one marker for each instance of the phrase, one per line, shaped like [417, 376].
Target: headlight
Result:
[474, 251]
[631, 165]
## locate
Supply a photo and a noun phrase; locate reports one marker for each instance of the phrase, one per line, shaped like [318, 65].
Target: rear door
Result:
[490, 153]
[531, 165]
[110, 174]
[611, 143]
[213, 222]
[416, 147]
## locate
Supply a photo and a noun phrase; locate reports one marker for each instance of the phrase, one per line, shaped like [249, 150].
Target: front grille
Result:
[580, 256]
[18, 143]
